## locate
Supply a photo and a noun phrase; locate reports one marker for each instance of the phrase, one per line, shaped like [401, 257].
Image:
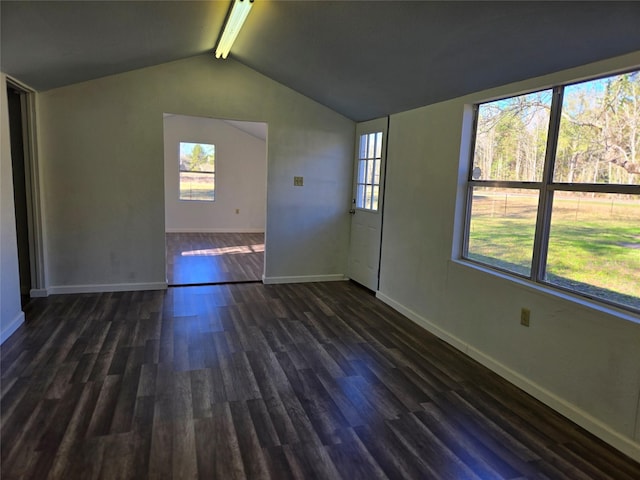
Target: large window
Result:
[197, 171]
[554, 188]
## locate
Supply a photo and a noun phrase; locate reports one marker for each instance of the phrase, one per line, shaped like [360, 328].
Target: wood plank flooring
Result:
[197, 258]
[279, 381]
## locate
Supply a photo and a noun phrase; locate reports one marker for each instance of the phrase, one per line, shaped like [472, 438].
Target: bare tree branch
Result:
[627, 165]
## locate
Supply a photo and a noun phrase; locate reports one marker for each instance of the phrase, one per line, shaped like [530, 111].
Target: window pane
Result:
[379, 145]
[376, 193]
[502, 228]
[362, 165]
[599, 139]
[372, 145]
[363, 146]
[367, 197]
[511, 138]
[360, 196]
[369, 172]
[197, 186]
[376, 172]
[594, 246]
[197, 157]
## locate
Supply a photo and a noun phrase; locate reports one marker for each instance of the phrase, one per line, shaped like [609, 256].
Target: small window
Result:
[197, 171]
[554, 188]
[368, 180]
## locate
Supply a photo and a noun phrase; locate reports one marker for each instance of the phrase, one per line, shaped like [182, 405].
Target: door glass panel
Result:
[367, 197]
[362, 165]
[376, 191]
[360, 196]
[363, 147]
[379, 145]
[368, 178]
[369, 172]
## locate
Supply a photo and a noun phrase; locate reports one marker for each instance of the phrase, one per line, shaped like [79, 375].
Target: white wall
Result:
[240, 178]
[581, 361]
[11, 316]
[102, 161]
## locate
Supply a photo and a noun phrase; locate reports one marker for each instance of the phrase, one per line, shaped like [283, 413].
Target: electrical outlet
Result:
[298, 181]
[525, 313]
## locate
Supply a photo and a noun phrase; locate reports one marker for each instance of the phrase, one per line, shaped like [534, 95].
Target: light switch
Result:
[298, 181]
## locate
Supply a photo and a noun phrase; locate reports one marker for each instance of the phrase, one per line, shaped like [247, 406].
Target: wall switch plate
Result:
[298, 181]
[525, 313]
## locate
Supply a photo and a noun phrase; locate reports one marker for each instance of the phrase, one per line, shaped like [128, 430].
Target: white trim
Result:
[13, 326]
[215, 230]
[35, 210]
[20, 84]
[577, 415]
[38, 293]
[625, 444]
[423, 322]
[112, 287]
[337, 277]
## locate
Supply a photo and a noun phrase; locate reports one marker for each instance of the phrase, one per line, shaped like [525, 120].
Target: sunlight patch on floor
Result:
[212, 252]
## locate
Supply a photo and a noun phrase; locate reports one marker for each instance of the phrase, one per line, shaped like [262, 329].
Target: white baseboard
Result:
[110, 287]
[304, 279]
[38, 293]
[12, 327]
[215, 230]
[625, 444]
[423, 322]
[582, 418]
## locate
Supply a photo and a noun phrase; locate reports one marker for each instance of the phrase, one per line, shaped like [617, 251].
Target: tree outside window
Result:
[554, 188]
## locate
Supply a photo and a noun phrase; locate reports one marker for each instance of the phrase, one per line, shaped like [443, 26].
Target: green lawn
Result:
[189, 191]
[197, 186]
[594, 244]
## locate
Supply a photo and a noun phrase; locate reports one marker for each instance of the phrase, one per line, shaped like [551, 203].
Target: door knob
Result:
[352, 211]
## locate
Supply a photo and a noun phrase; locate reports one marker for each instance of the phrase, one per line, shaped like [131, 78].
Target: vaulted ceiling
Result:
[363, 59]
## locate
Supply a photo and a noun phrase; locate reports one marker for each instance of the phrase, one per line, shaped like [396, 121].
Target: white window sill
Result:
[578, 300]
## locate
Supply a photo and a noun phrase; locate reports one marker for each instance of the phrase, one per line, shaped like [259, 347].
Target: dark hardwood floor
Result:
[197, 258]
[280, 381]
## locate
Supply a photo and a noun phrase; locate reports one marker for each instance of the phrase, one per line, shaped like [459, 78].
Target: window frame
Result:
[546, 188]
[376, 170]
[181, 171]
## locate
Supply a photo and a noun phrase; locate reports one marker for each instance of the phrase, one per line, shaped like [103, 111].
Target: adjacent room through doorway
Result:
[206, 257]
[22, 194]
[215, 200]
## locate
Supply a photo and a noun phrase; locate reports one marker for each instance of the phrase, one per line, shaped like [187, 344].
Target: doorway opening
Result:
[24, 172]
[215, 200]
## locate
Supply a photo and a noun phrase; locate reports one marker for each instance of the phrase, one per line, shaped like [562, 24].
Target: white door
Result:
[366, 209]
